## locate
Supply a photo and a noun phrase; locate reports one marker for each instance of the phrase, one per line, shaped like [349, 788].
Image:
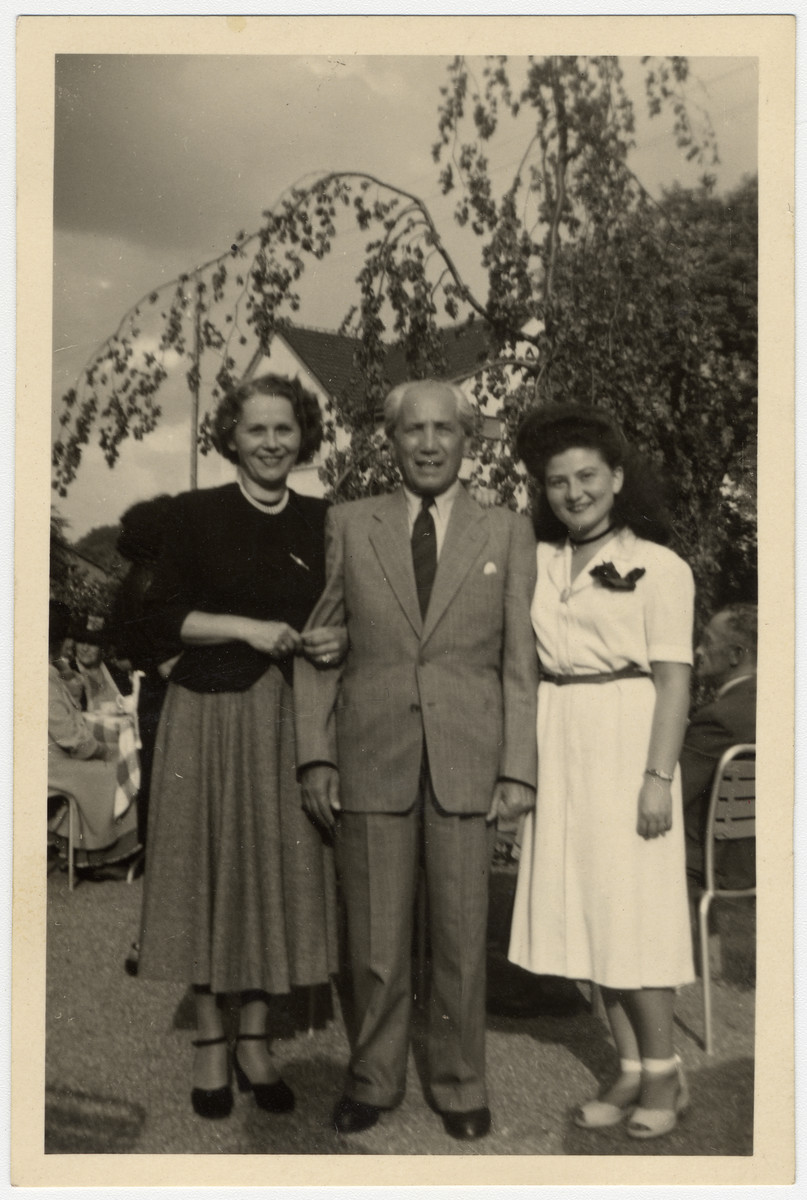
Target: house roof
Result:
[330, 357]
[88, 565]
[465, 348]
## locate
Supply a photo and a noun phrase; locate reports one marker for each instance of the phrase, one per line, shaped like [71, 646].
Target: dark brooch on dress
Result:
[609, 577]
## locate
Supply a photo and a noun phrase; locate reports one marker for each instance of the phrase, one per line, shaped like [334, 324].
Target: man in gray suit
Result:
[725, 658]
[418, 743]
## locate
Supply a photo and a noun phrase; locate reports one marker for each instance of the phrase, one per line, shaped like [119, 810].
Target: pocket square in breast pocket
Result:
[489, 568]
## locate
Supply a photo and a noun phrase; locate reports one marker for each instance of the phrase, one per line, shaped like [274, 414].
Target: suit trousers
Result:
[378, 856]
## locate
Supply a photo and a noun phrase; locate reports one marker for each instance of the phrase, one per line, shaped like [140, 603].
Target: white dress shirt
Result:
[440, 510]
[730, 683]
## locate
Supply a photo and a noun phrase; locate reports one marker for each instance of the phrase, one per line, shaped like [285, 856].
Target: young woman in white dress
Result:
[601, 892]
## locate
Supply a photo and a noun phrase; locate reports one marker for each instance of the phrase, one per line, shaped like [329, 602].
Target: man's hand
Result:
[510, 800]
[325, 646]
[319, 784]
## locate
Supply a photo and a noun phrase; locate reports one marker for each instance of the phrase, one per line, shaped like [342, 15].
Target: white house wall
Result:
[281, 360]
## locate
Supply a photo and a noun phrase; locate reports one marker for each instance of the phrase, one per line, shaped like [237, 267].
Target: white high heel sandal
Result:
[600, 1114]
[648, 1123]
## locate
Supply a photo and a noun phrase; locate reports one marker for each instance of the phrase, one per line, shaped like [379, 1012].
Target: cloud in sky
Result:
[169, 150]
[160, 160]
[159, 464]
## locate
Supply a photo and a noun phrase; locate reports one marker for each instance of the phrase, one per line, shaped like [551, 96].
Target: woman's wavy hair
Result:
[304, 405]
[641, 505]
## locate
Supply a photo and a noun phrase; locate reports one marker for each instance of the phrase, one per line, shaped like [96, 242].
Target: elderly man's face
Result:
[428, 441]
[716, 653]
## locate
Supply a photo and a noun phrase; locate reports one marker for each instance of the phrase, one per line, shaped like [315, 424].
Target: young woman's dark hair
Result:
[545, 432]
[304, 404]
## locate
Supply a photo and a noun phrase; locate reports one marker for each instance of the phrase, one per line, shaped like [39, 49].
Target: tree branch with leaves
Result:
[595, 290]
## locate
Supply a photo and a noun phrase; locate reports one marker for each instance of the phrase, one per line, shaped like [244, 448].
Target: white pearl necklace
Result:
[271, 509]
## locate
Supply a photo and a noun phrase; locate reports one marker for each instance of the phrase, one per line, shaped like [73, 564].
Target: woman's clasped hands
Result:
[324, 646]
[275, 638]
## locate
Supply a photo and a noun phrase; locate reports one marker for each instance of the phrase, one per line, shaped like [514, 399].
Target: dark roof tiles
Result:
[331, 357]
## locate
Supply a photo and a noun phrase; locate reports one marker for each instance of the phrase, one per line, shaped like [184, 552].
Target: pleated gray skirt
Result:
[239, 890]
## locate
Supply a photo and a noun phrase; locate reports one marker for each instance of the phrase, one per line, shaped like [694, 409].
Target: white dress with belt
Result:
[594, 900]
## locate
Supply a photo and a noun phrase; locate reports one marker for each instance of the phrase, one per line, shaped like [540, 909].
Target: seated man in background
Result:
[725, 658]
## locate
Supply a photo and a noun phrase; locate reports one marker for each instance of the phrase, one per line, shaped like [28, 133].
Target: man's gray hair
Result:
[742, 621]
[466, 413]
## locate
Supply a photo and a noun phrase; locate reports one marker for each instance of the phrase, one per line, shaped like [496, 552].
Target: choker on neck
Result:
[577, 542]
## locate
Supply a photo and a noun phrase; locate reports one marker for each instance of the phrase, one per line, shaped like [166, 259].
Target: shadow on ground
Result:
[118, 1056]
[80, 1123]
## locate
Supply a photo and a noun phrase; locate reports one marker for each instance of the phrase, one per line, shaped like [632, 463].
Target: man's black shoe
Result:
[353, 1116]
[467, 1125]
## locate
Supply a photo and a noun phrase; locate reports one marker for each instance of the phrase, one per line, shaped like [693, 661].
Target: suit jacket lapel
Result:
[393, 547]
[465, 536]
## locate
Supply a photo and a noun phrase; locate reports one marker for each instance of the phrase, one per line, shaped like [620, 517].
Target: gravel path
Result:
[118, 1059]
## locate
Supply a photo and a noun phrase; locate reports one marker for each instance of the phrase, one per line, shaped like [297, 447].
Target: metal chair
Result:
[72, 837]
[731, 816]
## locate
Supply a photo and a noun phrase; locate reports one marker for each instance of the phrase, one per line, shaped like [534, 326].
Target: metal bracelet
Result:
[658, 774]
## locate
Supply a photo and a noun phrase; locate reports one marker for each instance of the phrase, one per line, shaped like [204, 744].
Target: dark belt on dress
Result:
[600, 677]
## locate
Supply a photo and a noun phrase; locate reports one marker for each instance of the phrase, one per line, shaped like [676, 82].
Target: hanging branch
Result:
[639, 322]
[299, 226]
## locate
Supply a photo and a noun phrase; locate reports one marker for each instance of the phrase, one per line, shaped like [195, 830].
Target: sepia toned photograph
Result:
[395, 512]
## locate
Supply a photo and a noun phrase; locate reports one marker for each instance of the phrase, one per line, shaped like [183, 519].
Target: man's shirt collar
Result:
[442, 503]
[730, 683]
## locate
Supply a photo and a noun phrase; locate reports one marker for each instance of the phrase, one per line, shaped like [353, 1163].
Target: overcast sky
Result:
[160, 161]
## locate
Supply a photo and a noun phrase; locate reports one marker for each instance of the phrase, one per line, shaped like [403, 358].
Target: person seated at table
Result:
[726, 659]
[68, 671]
[106, 686]
[82, 768]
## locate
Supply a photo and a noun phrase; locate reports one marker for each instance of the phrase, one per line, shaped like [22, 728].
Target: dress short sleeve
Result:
[669, 609]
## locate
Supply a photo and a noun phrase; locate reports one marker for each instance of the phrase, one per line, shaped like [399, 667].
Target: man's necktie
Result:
[424, 552]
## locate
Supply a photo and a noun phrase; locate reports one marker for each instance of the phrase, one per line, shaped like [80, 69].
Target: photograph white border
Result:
[771, 39]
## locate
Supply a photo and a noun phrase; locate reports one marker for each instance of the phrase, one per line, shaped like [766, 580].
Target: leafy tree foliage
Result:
[70, 582]
[656, 320]
[99, 546]
[59, 557]
[595, 290]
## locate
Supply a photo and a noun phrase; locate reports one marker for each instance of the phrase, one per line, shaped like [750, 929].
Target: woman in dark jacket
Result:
[239, 886]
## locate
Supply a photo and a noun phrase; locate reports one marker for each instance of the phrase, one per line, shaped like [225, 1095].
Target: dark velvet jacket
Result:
[222, 555]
